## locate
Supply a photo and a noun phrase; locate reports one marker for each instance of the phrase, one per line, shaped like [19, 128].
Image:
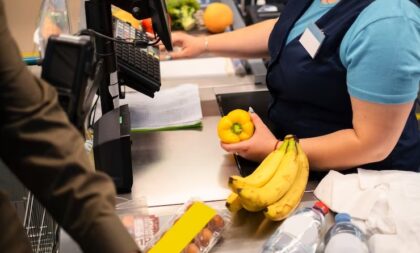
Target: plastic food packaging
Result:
[53, 20]
[141, 227]
[195, 228]
[136, 219]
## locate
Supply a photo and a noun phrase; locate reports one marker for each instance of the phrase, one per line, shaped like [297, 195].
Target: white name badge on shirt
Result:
[312, 39]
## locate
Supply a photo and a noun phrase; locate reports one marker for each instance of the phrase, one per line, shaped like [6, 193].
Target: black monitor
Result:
[67, 66]
[160, 22]
[111, 141]
[156, 9]
[99, 19]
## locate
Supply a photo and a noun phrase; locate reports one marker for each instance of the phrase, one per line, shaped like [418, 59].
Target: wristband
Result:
[206, 44]
[275, 145]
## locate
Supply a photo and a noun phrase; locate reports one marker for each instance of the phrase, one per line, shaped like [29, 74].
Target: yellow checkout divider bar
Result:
[185, 229]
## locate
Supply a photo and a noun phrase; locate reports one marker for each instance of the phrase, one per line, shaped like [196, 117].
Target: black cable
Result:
[133, 42]
[93, 113]
[155, 42]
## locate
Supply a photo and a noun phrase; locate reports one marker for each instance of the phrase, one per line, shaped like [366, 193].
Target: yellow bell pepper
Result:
[236, 126]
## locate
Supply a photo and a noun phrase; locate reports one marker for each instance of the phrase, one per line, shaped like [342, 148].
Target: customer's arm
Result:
[247, 42]
[47, 154]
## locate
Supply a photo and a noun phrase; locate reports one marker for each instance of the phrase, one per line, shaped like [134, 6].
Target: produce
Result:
[182, 13]
[279, 194]
[263, 173]
[49, 27]
[217, 17]
[236, 126]
[147, 25]
[233, 203]
[286, 205]
[279, 184]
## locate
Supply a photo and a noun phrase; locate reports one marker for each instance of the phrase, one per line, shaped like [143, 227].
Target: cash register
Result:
[124, 62]
[99, 61]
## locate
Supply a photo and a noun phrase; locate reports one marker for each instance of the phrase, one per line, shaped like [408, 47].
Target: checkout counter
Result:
[171, 167]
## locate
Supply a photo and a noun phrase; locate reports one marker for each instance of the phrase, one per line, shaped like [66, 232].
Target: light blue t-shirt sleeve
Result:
[383, 60]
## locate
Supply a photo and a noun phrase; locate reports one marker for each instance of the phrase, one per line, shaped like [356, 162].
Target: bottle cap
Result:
[321, 207]
[342, 217]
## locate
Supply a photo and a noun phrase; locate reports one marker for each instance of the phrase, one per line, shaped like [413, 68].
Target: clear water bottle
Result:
[300, 233]
[345, 237]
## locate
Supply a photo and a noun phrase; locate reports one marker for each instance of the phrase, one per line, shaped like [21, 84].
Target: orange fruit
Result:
[217, 17]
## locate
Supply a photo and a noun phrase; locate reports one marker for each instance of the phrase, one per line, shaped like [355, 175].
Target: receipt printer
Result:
[112, 147]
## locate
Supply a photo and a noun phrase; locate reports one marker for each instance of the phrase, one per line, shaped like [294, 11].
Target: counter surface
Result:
[173, 166]
[170, 167]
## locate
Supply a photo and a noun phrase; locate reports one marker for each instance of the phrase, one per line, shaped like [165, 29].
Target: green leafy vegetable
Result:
[182, 13]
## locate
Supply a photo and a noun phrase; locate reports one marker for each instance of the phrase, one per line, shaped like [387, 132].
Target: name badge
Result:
[312, 39]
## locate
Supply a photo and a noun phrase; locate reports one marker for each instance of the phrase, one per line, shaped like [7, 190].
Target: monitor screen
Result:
[61, 65]
[155, 9]
[66, 67]
[160, 22]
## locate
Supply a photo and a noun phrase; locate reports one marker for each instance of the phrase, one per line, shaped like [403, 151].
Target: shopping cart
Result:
[40, 227]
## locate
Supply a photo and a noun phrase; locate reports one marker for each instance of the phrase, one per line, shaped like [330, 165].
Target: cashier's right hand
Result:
[258, 146]
[185, 46]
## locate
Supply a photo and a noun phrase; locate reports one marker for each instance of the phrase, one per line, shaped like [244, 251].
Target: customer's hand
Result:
[185, 46]
[258, 146]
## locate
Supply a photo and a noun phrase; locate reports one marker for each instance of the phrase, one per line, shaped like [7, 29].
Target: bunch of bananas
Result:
[276, 186]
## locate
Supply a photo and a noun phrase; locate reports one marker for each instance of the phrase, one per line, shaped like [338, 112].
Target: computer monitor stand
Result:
[112, 141]
[112, 147]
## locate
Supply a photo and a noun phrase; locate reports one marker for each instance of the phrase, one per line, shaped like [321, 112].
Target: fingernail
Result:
[250, 110]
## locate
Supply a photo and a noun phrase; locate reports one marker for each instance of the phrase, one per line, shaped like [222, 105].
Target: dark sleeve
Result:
[47, 154]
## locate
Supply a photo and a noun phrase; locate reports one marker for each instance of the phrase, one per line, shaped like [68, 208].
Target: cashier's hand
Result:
[185, 46]
[258, 146]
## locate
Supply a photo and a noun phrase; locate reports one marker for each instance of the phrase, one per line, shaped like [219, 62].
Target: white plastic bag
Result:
[53, 20]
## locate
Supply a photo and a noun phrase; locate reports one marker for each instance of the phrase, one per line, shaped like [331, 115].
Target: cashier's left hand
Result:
[258, 146]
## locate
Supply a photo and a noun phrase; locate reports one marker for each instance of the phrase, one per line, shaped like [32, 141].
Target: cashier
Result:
[46, 153]
[343, 75]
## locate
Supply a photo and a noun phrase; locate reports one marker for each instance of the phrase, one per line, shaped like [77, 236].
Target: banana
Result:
[263, 173]
[286, 205]
[233, 203]
[259, 198]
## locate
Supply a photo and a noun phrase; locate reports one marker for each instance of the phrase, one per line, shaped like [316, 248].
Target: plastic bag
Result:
[53, 20]
[195, 228]
[136, 219]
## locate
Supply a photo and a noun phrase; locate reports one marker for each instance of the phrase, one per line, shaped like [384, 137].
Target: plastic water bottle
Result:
[300, 233]
[345, 237]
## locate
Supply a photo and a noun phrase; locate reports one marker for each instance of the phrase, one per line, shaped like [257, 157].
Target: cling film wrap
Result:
[134, 215]
[195, 228]
[53, 20]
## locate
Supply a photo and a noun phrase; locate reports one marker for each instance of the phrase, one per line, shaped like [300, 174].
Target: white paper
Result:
[172, 107]
[197, 68]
